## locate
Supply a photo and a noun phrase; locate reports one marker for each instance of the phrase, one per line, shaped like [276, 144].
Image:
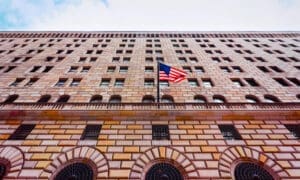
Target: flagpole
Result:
[158, 89]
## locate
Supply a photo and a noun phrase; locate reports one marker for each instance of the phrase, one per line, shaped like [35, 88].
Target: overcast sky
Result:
[134, 15]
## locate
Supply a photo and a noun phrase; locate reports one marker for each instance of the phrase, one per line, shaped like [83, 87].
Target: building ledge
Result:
[151, 106]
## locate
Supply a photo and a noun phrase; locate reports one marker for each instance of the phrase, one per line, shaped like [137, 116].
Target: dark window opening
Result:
[63, 99]
[148, 99]
[295, 81]
[11, 98]
[281, 81]
[294, 129]
[96, 99]
[44, 99]
[163, 171]
[160, 132]
[31, 82]
[115, 99]
[251, 171]
[76, 171]
[251, 82]
[229, 132]
[91, 132]
[22, 132]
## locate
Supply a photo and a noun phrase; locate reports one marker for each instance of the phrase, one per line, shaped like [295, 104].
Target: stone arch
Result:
[167, 155]
[13, 158]
[84, 154]
[238, 154]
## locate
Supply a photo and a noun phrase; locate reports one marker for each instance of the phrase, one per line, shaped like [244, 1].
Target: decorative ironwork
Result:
[2, 171]
[251, 171]
[163, 171]
[75, 171]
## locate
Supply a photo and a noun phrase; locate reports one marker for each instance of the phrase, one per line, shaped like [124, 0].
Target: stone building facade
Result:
[83, 104]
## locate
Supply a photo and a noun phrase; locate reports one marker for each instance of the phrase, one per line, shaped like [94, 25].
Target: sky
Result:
[150, 15]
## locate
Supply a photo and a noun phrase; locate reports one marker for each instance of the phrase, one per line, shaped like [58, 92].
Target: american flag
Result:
[171, 74]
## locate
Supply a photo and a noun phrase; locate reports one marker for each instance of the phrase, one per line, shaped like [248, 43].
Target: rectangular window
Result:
[115, 59]
[193, 82]
[237, 69]
[294, 129]
[123, 69]
[119, 82]
[263, 69]
[160, 132]
[276, 69]
[207, 83]
[31, 82]
[75, 82]
[73, 69]
[187, 69]
[35, 68]
[85, 69]
[251, 82]
[61, 82]
[91, 132]
[295, 81]
[22, 132]
[237, 82]
[216, 59]
[111, 69]
[149, 82]
[227, 59]
[199, 69]
[163, 83]
[149, 69]
[89, 51]
[105, 82]
[229, 132]
[82, 59]
[281, 81]
[17, 82]
[182, 59]
[93, 59]
[225, 69]
[149, 59]
[126, 59]
[47, 69]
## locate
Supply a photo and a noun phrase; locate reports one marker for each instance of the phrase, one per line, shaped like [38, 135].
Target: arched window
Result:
[11, 98]
[248, 170]
[251, 99]
[63, 99]
[44, 99]
[219, 99]
[167, 99]
[163, 171]
[78, 171]
[200, 99]
[2, 170]
[271, 99]
[115, 99]
[148, 99]
[96, 99]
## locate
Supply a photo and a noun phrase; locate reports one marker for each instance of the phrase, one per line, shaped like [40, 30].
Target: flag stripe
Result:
[171, 74]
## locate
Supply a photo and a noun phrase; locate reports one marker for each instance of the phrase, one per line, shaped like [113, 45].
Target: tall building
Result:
[82, 105]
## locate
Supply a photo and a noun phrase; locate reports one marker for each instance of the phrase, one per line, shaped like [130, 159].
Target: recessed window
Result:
[294, 129]
[218, 99]
[119, 82]
[167, 99]
[281, 81]
[271, 99]
[199, 69]
[295, 81]
[237, 69]
[105, 82]
[75, 82]
[229, 132]
[225, 69]
[17, 82]
[263, 69]
[47, 69]
[149, 69]
[82, 59]
[73, 69]
[149, 59]
[61, 82]
[187, 69]
[11, 98]
[123, 69]
[237, 82]
[35, 68]
[126, 59]
[149, 82]
[111, 69]
[276, 69]
[207, 83]
[115, 99]
[91, 132]
[63, 99]
[44, 99]
[251, 99]
[182, 59]
[31, 82]
[76, 170]
[96, 99]
[148, 99]
[85, 69]
[193, 82]
[163, 84]
[160, 132]
[251, 82]
[22, 132]
[199, 99]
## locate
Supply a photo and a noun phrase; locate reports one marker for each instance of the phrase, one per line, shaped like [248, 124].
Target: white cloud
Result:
[198, 15]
